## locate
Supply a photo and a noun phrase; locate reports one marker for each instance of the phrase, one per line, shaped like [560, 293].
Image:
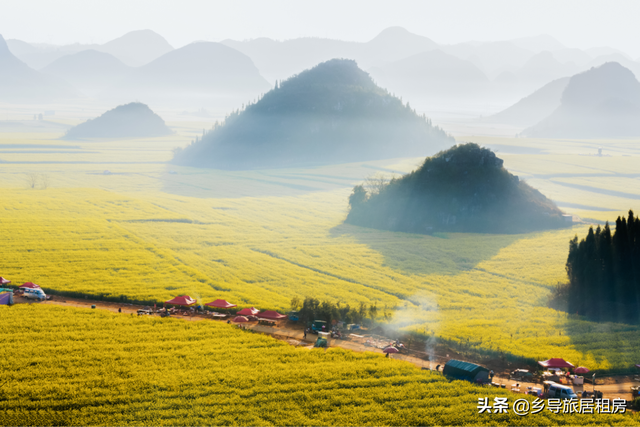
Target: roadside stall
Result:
[269, 317]
[248, 312]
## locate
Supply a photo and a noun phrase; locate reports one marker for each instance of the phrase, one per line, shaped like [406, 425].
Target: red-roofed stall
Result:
[184, 300]
[248, 311]
[4, 281]
[220, 303]
[30, 286]
[271, 315]
[555, 363]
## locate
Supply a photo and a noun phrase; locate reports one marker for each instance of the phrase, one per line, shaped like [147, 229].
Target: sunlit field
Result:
[148, 230]
[91, 367]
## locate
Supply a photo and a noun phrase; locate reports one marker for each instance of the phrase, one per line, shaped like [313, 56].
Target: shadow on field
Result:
[440, 253]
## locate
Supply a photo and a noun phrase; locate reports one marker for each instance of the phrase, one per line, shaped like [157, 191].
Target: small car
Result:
[522, 374]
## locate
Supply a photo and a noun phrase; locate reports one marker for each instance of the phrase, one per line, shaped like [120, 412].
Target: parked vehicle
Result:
[37, 294]
[560, 391]
[294, 316]
[318, 326]
[522, 375]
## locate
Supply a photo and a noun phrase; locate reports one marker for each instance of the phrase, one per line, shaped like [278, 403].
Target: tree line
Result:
[604, 272]
[311, 309]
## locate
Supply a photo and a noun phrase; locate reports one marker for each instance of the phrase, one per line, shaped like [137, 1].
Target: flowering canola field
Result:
[151, 231]
[91, 367]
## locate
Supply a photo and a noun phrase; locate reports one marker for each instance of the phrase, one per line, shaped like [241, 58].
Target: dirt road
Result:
[611, 387]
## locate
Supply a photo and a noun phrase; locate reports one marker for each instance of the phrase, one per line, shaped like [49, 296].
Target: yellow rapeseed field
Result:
[69, 366]
[150, 231]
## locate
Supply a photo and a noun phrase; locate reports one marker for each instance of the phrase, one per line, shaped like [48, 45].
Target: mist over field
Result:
[318, 213]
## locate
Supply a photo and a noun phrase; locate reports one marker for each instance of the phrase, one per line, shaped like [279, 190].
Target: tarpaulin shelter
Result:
[248, 311]
[240, 319]
[391, 350]
[466, 371]
[30, 286]
[6, 298]
[185, 300]
[555, 363]
[271, 315]
[4, 281]
[220, 303]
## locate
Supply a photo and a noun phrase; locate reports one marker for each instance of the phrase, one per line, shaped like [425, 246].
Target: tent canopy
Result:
[4, 281]
[240, 319]
[581, 370]
[30, 285]
[182, 300]
[6, 298]
[248, 311]
[220, 303]
[272, 315]
[555, 363]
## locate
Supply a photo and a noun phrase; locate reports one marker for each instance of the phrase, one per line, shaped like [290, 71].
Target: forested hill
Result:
[134, 120]
[464, 188]
[332, 113]
[604, 272]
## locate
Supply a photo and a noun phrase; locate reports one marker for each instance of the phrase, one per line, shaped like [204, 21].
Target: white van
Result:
[37, 294]
[560, 391]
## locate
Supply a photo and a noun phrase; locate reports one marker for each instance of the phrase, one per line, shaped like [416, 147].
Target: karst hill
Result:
[332, 113]
[465, 189]
[134, 120]
[603, 102]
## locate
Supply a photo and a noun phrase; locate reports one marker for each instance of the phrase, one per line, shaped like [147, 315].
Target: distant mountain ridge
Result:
[134, 49]
[535, 107]
[19, 83]
[90, 71]
[463, 189]
[196, 73]
[332, 113]
[432, 74]
[603, 102]
[133, 120]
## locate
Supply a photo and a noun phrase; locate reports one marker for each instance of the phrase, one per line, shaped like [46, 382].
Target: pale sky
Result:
[575, 23]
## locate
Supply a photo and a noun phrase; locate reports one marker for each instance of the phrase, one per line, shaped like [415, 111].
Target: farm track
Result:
[613, 387]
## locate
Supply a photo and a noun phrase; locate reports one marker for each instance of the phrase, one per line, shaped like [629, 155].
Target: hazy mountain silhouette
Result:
[432, 74]
[536, 44]
[464, 189]
[282, 59]
[332, 113]
[395, 43]
[616, 57]
[535, 107]
[38, 56]
[19, 83]
[492, 57]
[577, 56]
[134, 120]
[197, 72]
[137, 48]
[89, 71]
[542, 68]
[603, 102]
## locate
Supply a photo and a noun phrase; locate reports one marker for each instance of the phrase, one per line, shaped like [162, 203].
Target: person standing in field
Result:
[305, 333]
[119, 309]
[491, 374]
